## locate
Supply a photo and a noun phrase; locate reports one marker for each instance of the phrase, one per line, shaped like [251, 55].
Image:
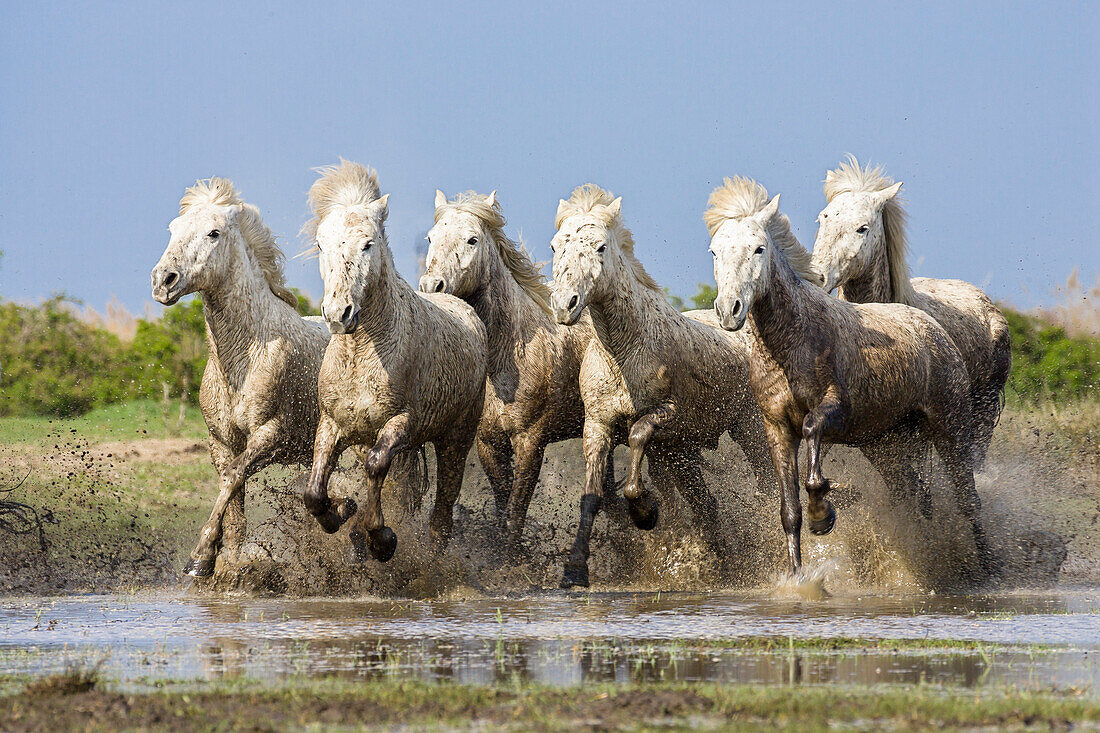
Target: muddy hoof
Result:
[199, 568]
[383, 543]
[576, 574]
[333, 519]
[644, 511]
[824, 525]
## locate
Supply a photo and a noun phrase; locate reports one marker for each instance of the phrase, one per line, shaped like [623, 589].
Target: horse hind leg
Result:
[687, 475]
[951, 434]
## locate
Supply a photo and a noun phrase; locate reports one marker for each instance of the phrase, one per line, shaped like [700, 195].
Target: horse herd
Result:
[489, 353]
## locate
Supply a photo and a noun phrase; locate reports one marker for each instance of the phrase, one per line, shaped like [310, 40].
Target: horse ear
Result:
[615, 206]
[770, 208]
[440, 198]
[562, 204]
[380, 209]
[888, 193]
[491, 199]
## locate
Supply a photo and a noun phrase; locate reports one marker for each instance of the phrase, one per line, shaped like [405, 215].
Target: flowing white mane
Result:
[850, 177]
[591, 199]
[515, 257]
[258, 239]
[347, 184]
[739, 198]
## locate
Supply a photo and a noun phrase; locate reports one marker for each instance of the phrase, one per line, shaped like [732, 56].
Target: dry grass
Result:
[1077, 309]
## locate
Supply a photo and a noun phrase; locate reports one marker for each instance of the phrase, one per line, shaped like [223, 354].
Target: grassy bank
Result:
[81, 703]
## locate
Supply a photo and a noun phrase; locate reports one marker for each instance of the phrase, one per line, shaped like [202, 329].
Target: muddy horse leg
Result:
[327, 447]
[256, 455]
[685, 471]
[450, 467]
[642, 505]
[234, 527]
[597, 450]
[951, 436]
[783, 444]
[893, 455]
[369, 533]
[529, 450]
[829, 417]
[496, 461]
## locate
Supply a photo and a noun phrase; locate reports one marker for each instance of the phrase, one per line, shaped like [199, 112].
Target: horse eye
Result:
[759, 250]
[214, 234]
[368, 244]
[471, 240]
[602, 247]
[862, 229]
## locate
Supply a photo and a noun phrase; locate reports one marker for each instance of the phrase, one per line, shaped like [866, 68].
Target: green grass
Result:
[123, 421]
[362, 704]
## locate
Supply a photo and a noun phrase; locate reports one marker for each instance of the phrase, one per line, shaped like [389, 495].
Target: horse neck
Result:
[620, 317]
[508, 312]
[874, 284]
[781, 315]
[381, 310]
[239, 312]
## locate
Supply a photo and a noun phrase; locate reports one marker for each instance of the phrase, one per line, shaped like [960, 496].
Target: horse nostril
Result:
[439, 286]
[346, 315]
[171, 279]
[573, 302]
[736, 309]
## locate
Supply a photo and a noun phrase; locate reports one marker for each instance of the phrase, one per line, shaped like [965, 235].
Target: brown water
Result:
[1035, 641]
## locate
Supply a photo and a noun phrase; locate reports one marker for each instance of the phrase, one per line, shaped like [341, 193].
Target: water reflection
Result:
[564, 639]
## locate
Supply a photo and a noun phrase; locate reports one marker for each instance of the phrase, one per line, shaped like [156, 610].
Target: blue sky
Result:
[987, 111]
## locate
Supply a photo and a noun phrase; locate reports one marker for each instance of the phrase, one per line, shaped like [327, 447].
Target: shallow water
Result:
[1035, 641]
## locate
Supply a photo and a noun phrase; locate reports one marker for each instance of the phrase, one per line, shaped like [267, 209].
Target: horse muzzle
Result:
[346, 322]
[731, 313]
[168, 286]
[433, 284]
[567, 308]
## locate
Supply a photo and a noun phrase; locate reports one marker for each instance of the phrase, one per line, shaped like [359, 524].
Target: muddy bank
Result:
[305, 704]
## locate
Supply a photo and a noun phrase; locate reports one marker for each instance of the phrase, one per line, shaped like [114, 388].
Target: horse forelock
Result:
[515, 257]
[851, 177]
[592, 200]
[739, 198]
[258, 238]
[347, 184]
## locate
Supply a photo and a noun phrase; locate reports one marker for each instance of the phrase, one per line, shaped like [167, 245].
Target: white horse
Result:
[259, 390]
[402, 368]
[861, 248]
[533, 395]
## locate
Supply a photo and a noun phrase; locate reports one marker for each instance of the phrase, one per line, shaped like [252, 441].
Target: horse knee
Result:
[640, 433]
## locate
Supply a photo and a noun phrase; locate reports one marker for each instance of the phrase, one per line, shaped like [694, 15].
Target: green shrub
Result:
[1047, 364]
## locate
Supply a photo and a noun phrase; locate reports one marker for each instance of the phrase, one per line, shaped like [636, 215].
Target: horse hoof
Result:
[576, 574]
[199, 568]
[383, 543]
[332, 520]
[644, 511]
[824, 525]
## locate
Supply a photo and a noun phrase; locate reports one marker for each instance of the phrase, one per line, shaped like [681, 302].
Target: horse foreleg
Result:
[370, 533]
[597, 448]
[450, 466]
[327, 447]
[642, 505]
[830, 416]
[496, 461]
[529, 449]
[256, 455]
[783, 444]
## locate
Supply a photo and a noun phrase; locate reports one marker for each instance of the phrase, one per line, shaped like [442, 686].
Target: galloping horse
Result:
[402, 368]
[533, 394]
[259, 390]
[823, 369]
[663, 383]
